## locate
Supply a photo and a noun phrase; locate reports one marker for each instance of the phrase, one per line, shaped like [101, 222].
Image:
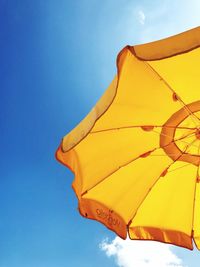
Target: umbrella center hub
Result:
[180, 135]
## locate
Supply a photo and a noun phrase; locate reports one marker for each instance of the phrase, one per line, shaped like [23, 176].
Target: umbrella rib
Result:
[132, 217]
[185, 165]
[180, 139]
[123, 165]
[130, 161]
[140, 126]
[177, 96]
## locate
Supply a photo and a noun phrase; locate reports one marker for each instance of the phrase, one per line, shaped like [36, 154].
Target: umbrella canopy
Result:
[136, 155]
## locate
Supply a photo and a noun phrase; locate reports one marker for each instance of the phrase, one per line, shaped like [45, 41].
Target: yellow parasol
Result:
[136, 155]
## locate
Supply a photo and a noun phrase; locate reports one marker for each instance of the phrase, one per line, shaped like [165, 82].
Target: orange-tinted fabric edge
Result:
[162, 235]
[59, 158]
[92, 209]
[168, 47]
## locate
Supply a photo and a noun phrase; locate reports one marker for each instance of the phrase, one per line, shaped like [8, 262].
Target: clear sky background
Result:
[57, 58]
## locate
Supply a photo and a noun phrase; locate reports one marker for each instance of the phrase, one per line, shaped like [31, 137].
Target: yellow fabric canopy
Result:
[136, 155]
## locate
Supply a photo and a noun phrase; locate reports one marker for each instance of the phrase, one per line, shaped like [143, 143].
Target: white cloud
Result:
[141, 17]
[129, 253]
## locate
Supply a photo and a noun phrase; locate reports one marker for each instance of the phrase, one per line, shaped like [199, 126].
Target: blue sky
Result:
[57, 58]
